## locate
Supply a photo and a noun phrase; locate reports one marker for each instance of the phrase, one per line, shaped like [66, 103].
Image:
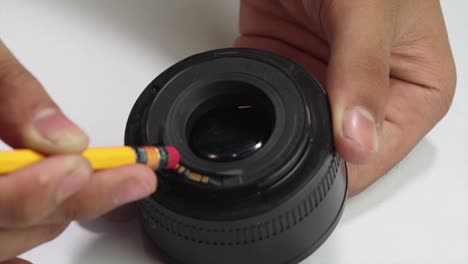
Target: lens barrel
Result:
[260, 180]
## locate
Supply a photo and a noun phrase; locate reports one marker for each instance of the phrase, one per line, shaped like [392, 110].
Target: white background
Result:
[95, 57]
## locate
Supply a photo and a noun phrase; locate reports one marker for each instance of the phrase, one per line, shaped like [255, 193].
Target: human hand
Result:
[38, 202]
[386, 65]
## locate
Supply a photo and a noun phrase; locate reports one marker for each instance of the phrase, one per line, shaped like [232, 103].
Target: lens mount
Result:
[171, 109]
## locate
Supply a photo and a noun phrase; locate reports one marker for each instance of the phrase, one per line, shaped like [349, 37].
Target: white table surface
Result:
[95, 57]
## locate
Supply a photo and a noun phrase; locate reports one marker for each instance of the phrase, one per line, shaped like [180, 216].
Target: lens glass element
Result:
[231, 126]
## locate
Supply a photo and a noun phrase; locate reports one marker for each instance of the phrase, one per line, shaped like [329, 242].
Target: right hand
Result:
[38, 202]
[387, 67]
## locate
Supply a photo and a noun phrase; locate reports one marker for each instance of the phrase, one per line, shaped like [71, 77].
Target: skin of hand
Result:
[38, 202]
[386, 64]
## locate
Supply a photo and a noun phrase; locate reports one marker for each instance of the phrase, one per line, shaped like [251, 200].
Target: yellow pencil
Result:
[156, 157]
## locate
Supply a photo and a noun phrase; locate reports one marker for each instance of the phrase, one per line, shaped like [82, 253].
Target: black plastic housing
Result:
[275, 205]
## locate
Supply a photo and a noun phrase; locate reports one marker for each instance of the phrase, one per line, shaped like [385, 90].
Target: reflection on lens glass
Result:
[233, 128]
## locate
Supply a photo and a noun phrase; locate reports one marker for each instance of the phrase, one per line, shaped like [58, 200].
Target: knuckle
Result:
[448, 86]
[16, 206]
[7, 67]
[26, 203]
[14, 82]
[444, 86]
[375, 67]
[12, 75]
[368, 78]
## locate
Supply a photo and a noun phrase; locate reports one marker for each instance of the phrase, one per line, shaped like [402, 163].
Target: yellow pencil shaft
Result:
[13, 160]
[106, 158]
[100, 158]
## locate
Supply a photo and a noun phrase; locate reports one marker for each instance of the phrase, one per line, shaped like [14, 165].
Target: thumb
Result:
[358, 73]
[28, 117]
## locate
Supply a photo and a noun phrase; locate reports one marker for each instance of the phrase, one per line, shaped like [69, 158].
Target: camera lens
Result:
[259, 179]
[232, 126]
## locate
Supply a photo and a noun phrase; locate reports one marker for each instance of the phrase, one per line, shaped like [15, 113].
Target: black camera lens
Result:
[232, 126]
[259, 179]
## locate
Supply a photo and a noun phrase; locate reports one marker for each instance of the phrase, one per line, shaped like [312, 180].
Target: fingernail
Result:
[360, 127]
[52, 126]
[133, 190]
[73, 182]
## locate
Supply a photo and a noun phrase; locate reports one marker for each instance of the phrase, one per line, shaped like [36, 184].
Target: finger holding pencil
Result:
[56, 182]
[41, 190]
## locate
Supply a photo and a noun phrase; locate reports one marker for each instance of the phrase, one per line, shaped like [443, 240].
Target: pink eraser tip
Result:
[174, 157]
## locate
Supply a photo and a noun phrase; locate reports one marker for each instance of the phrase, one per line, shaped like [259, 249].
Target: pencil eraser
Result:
[174, 157]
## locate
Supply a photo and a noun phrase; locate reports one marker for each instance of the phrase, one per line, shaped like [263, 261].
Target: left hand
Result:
[39, 201]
